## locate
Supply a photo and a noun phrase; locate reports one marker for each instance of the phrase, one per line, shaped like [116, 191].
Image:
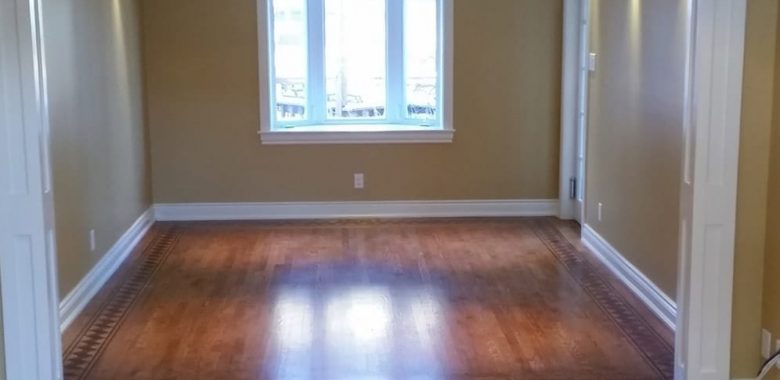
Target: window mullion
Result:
[395, 110]
[444, 61]
[315, 10]
[271, 62]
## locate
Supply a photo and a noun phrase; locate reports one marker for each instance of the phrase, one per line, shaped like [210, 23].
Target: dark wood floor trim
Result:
[655, 348]
[83, 353]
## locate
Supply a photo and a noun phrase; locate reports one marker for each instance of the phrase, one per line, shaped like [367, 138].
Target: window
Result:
[342, 71]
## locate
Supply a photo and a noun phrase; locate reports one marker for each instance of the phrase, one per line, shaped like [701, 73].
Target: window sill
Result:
[357, 134]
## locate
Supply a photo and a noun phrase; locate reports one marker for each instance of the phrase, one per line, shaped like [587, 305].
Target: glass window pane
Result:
[421, 35]
[290, 62]
[355, 58]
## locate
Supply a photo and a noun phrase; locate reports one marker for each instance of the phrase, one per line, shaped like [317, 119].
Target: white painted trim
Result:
[708, 196]
[574, 93]
[264, 65]
[569, 80]
[448, 66]
[443, 132]
[75, 302]
[409, 136]
[352, 210]
[31, 339]
[663, 306]
[581, 126]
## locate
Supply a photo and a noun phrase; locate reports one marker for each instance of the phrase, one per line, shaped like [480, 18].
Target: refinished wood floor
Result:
[422, 299]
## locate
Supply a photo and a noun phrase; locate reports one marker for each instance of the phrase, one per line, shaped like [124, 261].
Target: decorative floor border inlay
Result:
[87, 347]
[89, 344]
[658, 352]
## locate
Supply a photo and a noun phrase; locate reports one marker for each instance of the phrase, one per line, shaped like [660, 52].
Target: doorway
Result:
[27, 258]
[711, 106]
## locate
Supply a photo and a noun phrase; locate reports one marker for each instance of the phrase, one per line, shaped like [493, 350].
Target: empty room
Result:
[389, 189]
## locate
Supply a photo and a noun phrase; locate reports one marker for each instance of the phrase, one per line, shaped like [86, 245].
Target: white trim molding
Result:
[569, 84]
[663, 306]
[708, 197]
[28, 261]
[353, 210]
[574, 108]
[400, 130]
[75, 302]
[372, 135]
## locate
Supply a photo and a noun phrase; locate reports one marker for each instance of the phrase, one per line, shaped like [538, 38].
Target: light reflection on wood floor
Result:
[397, 300]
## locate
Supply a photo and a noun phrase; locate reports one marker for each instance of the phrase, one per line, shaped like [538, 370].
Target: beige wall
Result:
[2, 344]
[635, 131]
[95, 99]
[771, 293]
[758, 91]
[202, 94]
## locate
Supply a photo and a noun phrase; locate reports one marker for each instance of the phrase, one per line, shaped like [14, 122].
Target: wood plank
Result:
[433, 299]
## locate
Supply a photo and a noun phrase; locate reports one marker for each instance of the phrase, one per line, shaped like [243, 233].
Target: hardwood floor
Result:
[420, 299]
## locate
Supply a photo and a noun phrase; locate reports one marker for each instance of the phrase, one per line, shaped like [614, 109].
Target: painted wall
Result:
[97, 122]
[2, 344]
[200, 61]
[635, 131]
[771, 293]
[757, 115]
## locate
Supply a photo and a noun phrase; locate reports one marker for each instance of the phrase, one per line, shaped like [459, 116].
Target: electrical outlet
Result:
[600, 211]
[766, 343]
[92, 240]
[359, 181]
[592, 61]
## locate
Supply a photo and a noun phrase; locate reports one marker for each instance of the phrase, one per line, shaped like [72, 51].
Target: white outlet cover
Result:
[359, 180]
[592, 61]
[92, 240]
[766, 343]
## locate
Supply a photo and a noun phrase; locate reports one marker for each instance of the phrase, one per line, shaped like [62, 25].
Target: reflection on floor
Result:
[435, 299]
[357, 328]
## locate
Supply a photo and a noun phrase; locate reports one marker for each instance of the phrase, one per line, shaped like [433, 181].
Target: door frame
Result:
[712, 111]
[28, 269]
[574, 83]
[574, 109]
[708, 209]
[708, 199]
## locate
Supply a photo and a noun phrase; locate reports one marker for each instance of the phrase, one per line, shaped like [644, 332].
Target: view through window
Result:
[355, 62]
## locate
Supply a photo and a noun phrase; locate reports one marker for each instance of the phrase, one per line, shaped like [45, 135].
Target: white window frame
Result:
[393, 129]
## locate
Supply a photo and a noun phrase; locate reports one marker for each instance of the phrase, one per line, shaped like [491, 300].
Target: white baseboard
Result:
[79, 297]
[663, 306]
[352, 210]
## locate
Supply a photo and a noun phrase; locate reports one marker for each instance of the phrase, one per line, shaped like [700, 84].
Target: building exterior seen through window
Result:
[355, 62]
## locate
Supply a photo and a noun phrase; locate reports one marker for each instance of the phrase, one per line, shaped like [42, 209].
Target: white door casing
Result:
[708, 193]
[574, 109]
[709, 188]
[583, 82]
[27, 260]
[570, 70]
